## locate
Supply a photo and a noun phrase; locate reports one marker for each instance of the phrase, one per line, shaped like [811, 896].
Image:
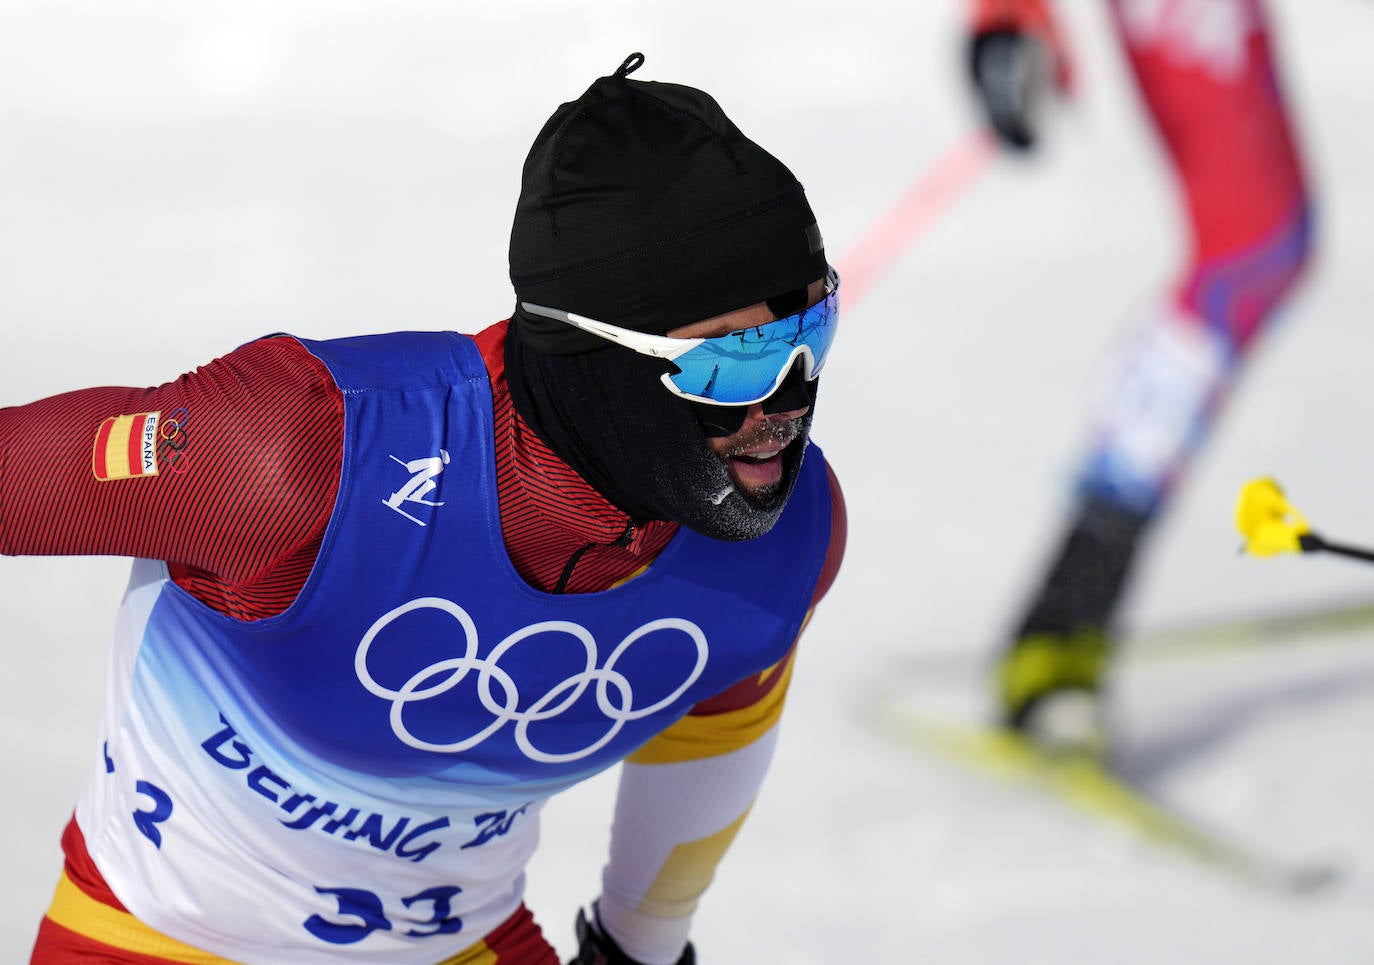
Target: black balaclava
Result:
[642, 205]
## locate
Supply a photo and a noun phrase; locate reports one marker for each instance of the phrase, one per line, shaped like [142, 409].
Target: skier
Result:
[393, 592]
[1205, 69]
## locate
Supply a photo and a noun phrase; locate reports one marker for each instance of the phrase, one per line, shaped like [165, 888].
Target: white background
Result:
[176, 179]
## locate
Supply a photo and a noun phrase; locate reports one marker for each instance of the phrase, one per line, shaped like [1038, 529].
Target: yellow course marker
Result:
[1268, 520]
[1271, 525]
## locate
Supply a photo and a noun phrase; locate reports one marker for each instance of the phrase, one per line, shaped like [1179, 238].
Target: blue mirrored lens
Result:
[747, 366]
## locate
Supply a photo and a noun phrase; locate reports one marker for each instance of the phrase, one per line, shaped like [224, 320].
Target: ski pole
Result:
[1312, 543]
[1271, 525]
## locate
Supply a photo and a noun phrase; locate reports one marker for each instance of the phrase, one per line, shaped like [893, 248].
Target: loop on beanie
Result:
[631, 64]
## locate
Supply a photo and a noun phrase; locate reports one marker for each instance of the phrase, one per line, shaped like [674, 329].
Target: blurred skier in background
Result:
[1206, 73]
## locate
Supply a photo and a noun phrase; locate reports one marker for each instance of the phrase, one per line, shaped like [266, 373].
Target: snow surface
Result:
[178, 178]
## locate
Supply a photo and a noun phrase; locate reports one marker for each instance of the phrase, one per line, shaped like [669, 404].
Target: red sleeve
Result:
[1035, 17]
[247, 453]
[839, 534]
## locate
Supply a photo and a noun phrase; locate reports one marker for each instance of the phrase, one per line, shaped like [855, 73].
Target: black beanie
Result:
[642, 205]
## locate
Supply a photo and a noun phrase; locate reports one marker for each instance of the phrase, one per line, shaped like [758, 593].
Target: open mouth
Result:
[756, 473]
[757, 465]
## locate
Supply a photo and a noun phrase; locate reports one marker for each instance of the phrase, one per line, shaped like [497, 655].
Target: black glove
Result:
[1011, 71]
[595, 947]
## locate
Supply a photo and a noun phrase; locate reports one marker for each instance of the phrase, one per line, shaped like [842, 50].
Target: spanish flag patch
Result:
[126, 447]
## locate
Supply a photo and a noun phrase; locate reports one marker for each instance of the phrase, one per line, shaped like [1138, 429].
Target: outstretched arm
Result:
[224, 472]
[685, 794]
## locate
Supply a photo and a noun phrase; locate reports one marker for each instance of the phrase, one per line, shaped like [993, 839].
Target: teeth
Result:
[757, 456]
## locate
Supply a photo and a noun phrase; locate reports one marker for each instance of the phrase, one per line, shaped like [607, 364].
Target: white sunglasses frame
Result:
[666, 347]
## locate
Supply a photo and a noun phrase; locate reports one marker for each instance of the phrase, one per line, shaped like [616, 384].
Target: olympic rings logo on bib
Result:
[614, 692]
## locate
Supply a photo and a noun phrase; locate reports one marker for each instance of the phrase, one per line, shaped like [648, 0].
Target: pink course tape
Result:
[912, 215]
